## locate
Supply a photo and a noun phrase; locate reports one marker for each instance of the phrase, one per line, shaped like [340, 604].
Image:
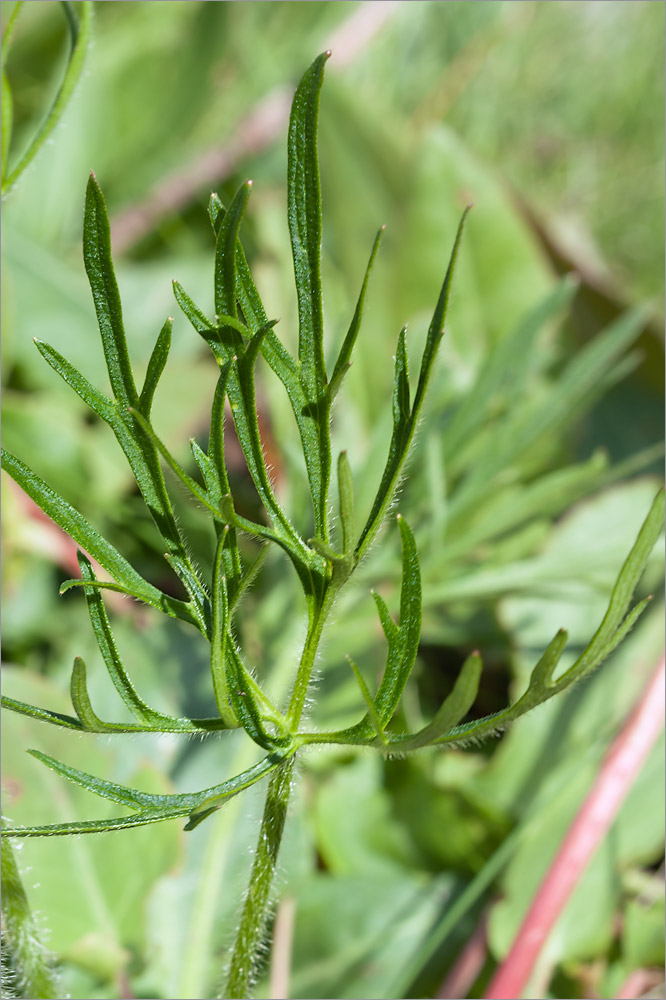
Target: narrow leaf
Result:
[249, 577]
[218, 655]
[81, 699]
[453, 709]
[367, 697]
[304, 214]
[405, 421]
[107, 647]
[85, 535]
[245, 705]
[225, 253]
[184, 476]
[344, 357]
[96, 400]
[389, 627]
[158, 360]
[99, 267]
[41, 714]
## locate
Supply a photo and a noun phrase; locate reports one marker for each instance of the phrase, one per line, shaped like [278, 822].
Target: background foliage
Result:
[550, 117]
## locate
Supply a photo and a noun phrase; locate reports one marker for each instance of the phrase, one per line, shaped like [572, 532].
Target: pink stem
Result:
[467, 967]
[618, 772]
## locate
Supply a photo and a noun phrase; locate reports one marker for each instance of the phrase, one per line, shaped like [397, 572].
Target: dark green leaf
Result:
[82, 532]
[184, 477]
[158, 360]
[367, 697]
[404, 420]
[225, 253]
[304, 215]
[218, 656]
[99, 267]
[344, 357]
[96, 400]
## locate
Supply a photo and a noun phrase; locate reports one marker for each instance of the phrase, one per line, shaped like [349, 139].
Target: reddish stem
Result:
[466, 970]
[618, 772]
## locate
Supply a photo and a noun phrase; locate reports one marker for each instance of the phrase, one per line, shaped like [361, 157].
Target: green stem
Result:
[316, 624]
[80, 34]
[256, 905]
[9, 31]
[22, 948]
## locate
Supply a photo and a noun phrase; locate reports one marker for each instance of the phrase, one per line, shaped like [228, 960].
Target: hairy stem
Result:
[316, 624]
[23, 952]
[255, 909]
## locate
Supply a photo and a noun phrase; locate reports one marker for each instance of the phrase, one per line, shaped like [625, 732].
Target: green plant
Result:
[78, 26]
[238, 334]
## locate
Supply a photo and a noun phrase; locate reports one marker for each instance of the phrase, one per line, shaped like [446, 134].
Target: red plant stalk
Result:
[618, 772]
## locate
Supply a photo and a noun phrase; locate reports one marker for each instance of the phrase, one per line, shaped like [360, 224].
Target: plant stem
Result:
[22, 948]
[618, 772]
[256, 903]
[9, 31]
[316, 624]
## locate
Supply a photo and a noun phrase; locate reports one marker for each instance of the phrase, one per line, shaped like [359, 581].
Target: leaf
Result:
[367, 697]
[96, 400]
[140, 450]
[151, 808]
[245, 705]
[158, 360]
[82, 532]
[389, 627]
[404, 420]
[453, 709]
[218, 658]
[403, 641]
[99, 268]
[304, 216]
[273, 351]
[107, 647]
[613, 628]
[41, 714]
[400, 664]
[184, 477]
[81, 699]
[225, 253]
[344, 357]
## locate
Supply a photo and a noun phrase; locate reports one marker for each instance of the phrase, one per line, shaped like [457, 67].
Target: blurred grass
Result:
[550, 116]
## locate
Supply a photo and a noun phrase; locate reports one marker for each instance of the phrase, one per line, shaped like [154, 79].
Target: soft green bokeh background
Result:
[549, 117]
